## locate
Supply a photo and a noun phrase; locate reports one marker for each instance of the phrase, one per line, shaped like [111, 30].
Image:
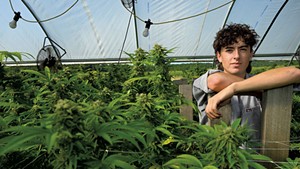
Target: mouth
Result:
[236, 64]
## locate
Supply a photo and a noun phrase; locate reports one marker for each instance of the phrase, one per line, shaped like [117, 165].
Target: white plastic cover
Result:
[97, 29]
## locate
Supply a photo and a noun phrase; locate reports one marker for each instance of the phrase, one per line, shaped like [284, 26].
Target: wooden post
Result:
[186, 90]
[276, 121]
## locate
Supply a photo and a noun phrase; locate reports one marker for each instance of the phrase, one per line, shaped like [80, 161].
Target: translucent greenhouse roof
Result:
[93, 30]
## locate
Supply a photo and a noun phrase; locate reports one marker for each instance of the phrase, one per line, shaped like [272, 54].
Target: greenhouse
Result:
[110, 84]
[103, 30]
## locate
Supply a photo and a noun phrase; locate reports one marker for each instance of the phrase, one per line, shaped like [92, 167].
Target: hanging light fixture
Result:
[13, 23]
[147, 27]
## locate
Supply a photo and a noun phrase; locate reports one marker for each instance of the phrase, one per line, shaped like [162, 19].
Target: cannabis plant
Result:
[76, 118]
[291, 164]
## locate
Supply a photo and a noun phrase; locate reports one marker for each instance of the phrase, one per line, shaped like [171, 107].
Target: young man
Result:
[234, 50]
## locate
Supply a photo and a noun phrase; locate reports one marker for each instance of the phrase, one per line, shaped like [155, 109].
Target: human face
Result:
[235, 58]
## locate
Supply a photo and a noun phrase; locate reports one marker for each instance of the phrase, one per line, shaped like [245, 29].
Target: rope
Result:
[59, 15]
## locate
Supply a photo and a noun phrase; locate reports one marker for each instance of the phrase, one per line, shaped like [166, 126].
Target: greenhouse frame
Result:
[89, 31]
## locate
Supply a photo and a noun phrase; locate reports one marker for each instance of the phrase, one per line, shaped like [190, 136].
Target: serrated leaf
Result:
[15, 54]
[47, 73]
[11, 55]
[165, 131]
[27, 55]
[260, 157]
[31, 79]
[112, 159]
[123, 164]
[34, 72]
[256, 165]
[210, 167]
[243, 161]
[51, 140]
[124, 135]
[13, 143]
[184, 159]
[106, 137]
[236, 124]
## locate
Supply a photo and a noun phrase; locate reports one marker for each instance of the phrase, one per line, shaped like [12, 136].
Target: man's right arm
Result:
[269, 79]
[220, 80]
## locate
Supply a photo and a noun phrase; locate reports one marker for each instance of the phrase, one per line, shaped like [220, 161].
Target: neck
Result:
[241, 75]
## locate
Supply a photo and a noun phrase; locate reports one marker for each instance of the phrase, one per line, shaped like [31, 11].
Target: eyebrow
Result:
[243, 46]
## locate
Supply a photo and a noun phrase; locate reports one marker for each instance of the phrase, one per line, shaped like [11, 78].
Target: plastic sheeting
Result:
[104, 30]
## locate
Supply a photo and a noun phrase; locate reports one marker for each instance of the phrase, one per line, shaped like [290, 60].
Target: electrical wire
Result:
[45, 20]
[185, 18]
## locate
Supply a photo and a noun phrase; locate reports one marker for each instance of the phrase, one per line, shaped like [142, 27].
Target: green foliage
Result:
[291, 164]
[189, 71]
[73, 116]
[295, 125]
[150, 73]
[13, 55]
[4, 55]
[184, 161]
[111, 116]
[226, 147]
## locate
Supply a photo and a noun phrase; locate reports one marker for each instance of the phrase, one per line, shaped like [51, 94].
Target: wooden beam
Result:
[276, 122]
[186, 91]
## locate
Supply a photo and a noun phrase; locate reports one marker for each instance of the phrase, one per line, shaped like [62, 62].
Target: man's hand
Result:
[218, 100]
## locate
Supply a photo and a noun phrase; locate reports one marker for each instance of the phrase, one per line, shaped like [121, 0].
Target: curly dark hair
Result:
[229, 35]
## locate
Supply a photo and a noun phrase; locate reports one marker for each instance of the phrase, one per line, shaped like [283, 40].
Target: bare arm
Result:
[267, 80]
[270, 79]
[219, 81]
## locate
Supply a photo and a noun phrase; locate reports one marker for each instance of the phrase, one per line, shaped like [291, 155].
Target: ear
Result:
[251, 55]
[219, 57]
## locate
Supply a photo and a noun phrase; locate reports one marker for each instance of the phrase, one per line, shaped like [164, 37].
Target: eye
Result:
[229, 50]
[244, 49]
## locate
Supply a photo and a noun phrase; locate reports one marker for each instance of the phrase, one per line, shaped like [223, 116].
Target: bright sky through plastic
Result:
[100, 30]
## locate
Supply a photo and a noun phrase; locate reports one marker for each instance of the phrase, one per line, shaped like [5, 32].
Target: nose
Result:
[236, 54]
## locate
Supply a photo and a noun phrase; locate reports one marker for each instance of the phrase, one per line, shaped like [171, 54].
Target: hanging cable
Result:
[185, 18]
[45, 20]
